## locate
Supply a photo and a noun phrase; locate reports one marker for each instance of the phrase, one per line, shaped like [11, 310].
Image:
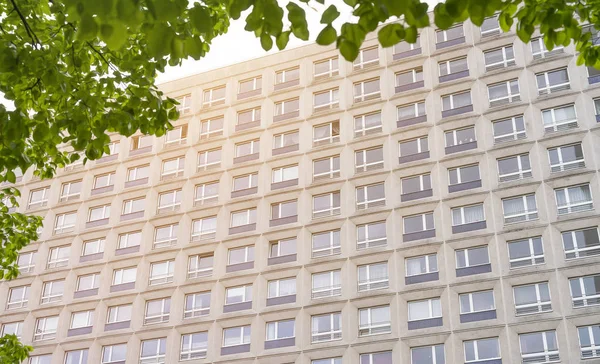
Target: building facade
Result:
[430, 203]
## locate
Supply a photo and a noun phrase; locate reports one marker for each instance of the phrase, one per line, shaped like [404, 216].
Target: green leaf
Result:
[390, 35]
[157, 37]
[282, 40]
[396, 7]
[114, 35]
[411, 34]
[11, 177]
[441, 17]
[266, 41]
[329, 15]
[348, 50]
[200, 18]
[327, 36]
[88, 28]
[297, 16]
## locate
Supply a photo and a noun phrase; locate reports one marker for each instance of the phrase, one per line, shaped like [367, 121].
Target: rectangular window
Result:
[326, 327]
[18, 297]
[326, 168]
[326, 243]
[209, 159]
[490, 26]
[417, 223]
[104, 180]
[428, 355]
[177, 135]
[234, 336]
[411, 111]
[53, 291]
[138, 173]
[559, 118]
[454, 33]
[472, 257]
[240, 294]
[283, 247]
[368, 57]
[413, 146]
[200, 266]
[404, 47]
[98, 213]
[581, 243]
[509, 129]
[206, 193]
[326, 68]
[70, 191]
[539, 50]
[185, 104]
[139, 142]
[45, 328]
[248, 116]
[214, 96]
[453, 66]
[76, 356]
[282, 174]
[247, 148]
[58, 256]
[286, 139]
[157, 311]
[250, 85]
[196, 305]
[41, 359]
[424, 309]
[114, 353]
[409, 77]
[566, 157]
[124, 275]
[539, 347]
[463, 174]
[482, 350]
[552, 81]
[504, 92]
[423, 264]
[241, 255]
[455, 101]
[153, 351]
[130, 239]
[76, 161]
[373, 276]
[173, 168]
[82, 319]
[370, 196]
[327, 204]
[204, 228]
[460, 136]
[374, 321]
[278, 330]
[194, 346]
[87, 282]
[367, 124]
[65, 223]
[368, 159]
[287, 106]
[499, 58]
[245, 182]
[326, 133]
[325, 100]
[326, 284]
[284, 209]
[519, 209]
[212, 127]
[288, 75]
[281, 287]
[38, 198]
[476, 302]
[162, 272]
[574, 199]
[243, 217]
[514, 168]
[585, 291]
[371, 235]
[120, 313]
[532, 298]
[467, 215]
[91, 247]
[589, 341]
[133, 206]
[26, 262]
[526, 252]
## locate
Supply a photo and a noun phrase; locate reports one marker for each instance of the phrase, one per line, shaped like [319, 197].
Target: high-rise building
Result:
[427, 204]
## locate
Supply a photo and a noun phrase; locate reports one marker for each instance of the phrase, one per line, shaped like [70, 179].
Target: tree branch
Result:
[34, 38]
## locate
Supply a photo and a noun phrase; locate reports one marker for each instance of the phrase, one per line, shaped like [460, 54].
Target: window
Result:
[76, 161]
[140, 142]
[597, 108]
[284, 209]
[509, 129]
[153, 351]
[499, 58]
[411, 77]
[243, 217]
[82, 319]
[194, 346]
[70, 191]
[367, 57]
[278, 330]
[423, 264]
[248, 116]
[481, 350]
[411, 111]
[326, 205]
[282, 174]
[589, 341]
[368, 159]
[209, 159]
[519, 209]
[91, 247]
[113, 148]
[87, 282]
[455, 101]
[370, 196]
[185, 104]
[552, 81]
[206, 193]
[114, 353]
[326, 284]
[281, 287]
[373, 276]
[581, 243]
[526, 252]
[367, 90]
[211, 127]
[566, 157]
[454, 33]
[239, 294]
[460, 136]
[367, 124]
[539, 347]
[196, 305]
[326, 168]
[472, 257]
[326, 68]
[286, 139]
[214, 96]
[130, 239]
[453, 67]
[204, 228]
[104, 180]
[282, 248]
[326, 133]
[288, 75]
[173, 168]
[133, 206]
[26, 262]
[326, 327]
[240, 255]
[476, 302]
[428, 355]
[65, 223]
[371, 235]
[325, 100]
[463, 174]
[539, 50]
[120, 313]
[177, 135]
[76, 356]
[514, 168]
[138, 173]
[162, 272]
[45, 328]
[252, 84]
[532, 298]
[200, 266]
[239, 335]
[467, 215]
[169, 201]
[245, 182]
[424, 309]
[326, 243]
[374, 321]
[124, 275]
[157, 311]
[574, 199]
[18, 297]
[585, 291]
[41, 359]
[58, 256]
[417, 223]
[413, 146]
[490, 26]
[287, 107]
[559, 118]
[247, 148]
[376, 358]
[98, 213]
[404, 47]
[38, 198]
[504, 92]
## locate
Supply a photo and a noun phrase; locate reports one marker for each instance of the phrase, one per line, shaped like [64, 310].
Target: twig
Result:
[30, 32]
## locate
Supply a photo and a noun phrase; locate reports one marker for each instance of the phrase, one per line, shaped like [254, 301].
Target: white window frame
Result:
[179, 171]
[158, 357]
[252, 181]
[105, 212]
[594, 348]
[281, 137]
[452, 96]
[364, 130]
[548, 89]
[200, 234]
[539, 306]
[248, 250]
[331, 72]
[23, 269]
[332, 210]
[170, 240]
[370, 243]
[162, 316]
[585, 298]
[199, 272]
[162, 278]
[428, 268]
[132, 173]
[515, 135]
[510, 96]
[334, 289]
[53, 259]
[277, 174]
[67, 186]
[459, 170]
[99, 246]
[284, 73]
[125, 238]
[116, 310]
[89, 316]
[254, 148]
[333, 173]
[363, 96]
[171, 206]
[529, 213]
[276, 324]
[476, 350]
[574, 208]
[564, 166]
[255, 115]
[371, 329]
[367, 203]
[562, 125]
[359, 62]
[209, 123]
[210, 93]
[332, 335]
[334, 100]
[283, 108]
[423, 220]
[533, 258]
[277, 283]
[369, 285]
[204, 155]
[189, 353]
[178, 132]
[248, 213]
[128, 205]
[95, 281]
[547, 355]
[489, 32]
[242, 335]
[196, 311]
[332, 249]
[22, 300]
[521, 173]
[471, 303]
[41, 332]
[255, 81]
[109, 349]
[200, 190]
[462, 214]
[505, 61]
[368, 166]
[118, 276]
[466, 254]
[60, 228]
[577, 251]
[543, 52]
[430, 304]
[43, 201]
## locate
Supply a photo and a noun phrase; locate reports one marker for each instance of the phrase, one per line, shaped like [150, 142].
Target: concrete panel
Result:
[423, 324]
[478, 316]
[454, 76]
[412, 52]
[117, 326]
[416, 195]
[412, 121]
[464, 186]
[469, 271]
[242, 229]
[282, 259]
[90, 257]
[457, 111]
[244, 192]
[410, 86]
[479, 225]
[281, 300]
[128, 250]
[238, 267]
[283, 221]
[428, 277]
[237, 307]
[425, 234]
[413, 157]
[287, 149]
[461, 147]
[229, 350]
[281, 343]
